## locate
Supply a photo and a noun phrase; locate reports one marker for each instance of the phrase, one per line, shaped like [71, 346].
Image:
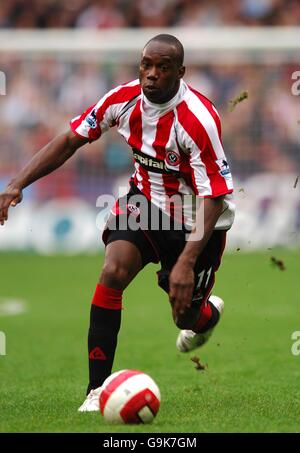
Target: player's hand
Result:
[181, 282]
[10, 197]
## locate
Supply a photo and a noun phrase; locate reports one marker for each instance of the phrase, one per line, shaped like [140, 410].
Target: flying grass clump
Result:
[199, 366]
[278, 263]
[241, 97]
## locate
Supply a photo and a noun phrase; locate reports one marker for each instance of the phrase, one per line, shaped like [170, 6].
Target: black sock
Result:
[102, 341]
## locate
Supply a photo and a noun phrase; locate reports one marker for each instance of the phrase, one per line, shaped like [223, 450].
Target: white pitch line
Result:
[12, 307]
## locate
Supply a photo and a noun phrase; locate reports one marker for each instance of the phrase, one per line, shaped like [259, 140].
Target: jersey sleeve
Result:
[97, 119]
[85, 125]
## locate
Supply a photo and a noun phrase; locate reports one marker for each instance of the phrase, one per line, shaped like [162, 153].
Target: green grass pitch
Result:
[251, 383]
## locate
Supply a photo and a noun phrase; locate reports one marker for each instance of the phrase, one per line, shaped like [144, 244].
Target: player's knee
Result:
[115, 275]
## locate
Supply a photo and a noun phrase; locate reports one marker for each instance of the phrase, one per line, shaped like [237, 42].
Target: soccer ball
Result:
[129, 396]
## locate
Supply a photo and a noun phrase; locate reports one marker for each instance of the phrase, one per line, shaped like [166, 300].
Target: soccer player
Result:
[175, 134]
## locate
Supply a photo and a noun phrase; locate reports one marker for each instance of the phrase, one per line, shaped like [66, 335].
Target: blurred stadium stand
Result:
[144, 13]
[53, 75]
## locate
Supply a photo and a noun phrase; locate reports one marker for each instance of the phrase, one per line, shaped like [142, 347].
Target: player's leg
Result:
[197, 334]
[127, 252]
[201, 316]
[198, 322]
[122, 262]
[205, 310]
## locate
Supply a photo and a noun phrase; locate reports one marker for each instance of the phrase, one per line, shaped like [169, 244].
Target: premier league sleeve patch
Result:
[91, 120]
[224, 168]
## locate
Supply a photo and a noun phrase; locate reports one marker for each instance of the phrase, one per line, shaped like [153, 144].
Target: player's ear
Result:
[181, 72]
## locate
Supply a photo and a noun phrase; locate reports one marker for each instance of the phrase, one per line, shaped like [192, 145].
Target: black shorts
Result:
[164, 246]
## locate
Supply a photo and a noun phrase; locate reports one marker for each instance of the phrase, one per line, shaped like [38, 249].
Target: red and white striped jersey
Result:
[177, 147]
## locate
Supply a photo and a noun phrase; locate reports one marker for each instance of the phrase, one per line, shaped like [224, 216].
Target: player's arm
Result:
[45, 161]
[182, 277]
[212, 181]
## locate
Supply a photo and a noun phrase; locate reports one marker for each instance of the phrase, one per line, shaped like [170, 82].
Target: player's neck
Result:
[167, 100]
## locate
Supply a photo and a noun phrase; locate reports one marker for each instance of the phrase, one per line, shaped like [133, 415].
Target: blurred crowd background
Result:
[147, 13]
[260, 135]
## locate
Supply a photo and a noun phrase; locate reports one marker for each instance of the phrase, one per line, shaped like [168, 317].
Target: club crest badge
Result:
[172, 159]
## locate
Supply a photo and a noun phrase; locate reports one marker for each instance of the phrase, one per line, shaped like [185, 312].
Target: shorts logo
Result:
[133, 209]
[172, 158]
[224, 168]
[91, 120]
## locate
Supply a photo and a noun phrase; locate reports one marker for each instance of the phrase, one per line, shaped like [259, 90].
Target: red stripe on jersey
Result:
[198, 134]
[114, 383]
[136, 141]
[135, 125]
[185, 171]
[130, 411]
[163, 130]
[185, 167]
[209, 105]
[146, 187]
[134, 179]
[124, 94]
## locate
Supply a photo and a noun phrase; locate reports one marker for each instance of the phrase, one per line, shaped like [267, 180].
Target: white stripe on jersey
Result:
[123, 128]
[200, 111]
[148, 136]
[157, 190]
[199, 168]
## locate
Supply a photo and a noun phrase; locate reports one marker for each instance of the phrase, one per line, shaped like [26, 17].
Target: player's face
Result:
[160, 73]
